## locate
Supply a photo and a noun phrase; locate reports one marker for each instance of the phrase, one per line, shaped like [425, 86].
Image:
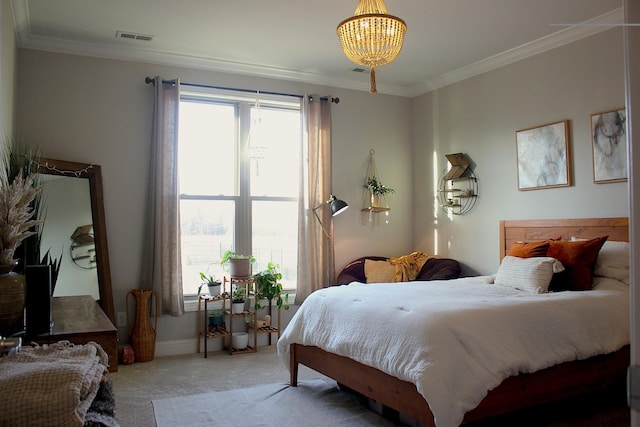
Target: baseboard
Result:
[176, 347]
[190, 346]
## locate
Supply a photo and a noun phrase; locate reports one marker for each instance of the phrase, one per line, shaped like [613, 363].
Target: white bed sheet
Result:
[458, 339]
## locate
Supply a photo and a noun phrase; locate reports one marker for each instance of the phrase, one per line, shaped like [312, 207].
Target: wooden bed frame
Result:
[558, 382]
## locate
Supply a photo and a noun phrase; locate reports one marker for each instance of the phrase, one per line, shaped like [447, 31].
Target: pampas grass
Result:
[17, 192]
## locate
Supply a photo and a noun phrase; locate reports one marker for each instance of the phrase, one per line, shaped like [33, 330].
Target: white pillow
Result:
[613, 260]
[531, 275]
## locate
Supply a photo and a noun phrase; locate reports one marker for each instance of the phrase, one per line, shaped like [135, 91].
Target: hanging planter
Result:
[377, 191]
[375, 205]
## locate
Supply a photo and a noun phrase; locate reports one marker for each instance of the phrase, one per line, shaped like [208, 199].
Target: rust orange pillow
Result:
[578, 259]
[529, 249]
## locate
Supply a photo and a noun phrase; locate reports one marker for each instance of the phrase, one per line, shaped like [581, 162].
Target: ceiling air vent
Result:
[133, 36]
[358, 70]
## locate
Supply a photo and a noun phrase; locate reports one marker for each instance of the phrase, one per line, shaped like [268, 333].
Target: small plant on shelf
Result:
[268, 286]
[239, 265]
[376, 187]
[238, 297]
[210, 281]
[239, 294]
[216, 317]
[231, 254]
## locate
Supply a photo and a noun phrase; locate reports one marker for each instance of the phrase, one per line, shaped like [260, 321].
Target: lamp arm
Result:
[324, 230]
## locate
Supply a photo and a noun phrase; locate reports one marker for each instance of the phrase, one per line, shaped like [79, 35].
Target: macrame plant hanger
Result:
[374, 205]
[255, 145]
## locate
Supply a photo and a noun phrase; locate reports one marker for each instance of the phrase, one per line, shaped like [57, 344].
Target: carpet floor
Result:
[139, 387]
[314, 403]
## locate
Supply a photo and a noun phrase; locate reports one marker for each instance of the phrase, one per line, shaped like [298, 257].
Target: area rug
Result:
[316, 403]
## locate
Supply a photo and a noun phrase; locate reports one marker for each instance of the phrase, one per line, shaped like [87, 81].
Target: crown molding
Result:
[127, 53]
[570, 34]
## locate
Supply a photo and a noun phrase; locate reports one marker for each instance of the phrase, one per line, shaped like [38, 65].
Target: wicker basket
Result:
[143, 334]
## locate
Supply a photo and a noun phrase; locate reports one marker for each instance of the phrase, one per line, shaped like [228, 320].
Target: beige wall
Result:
[99, 111]
[8, 53]
[479, 117]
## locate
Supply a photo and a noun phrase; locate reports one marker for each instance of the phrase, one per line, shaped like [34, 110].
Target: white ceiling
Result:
[446, 40]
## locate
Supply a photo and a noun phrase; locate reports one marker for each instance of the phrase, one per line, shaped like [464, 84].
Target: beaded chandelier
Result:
[372, 37]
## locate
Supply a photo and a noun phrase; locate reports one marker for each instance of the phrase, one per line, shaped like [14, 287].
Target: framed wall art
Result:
[543, 156]
[609, 144]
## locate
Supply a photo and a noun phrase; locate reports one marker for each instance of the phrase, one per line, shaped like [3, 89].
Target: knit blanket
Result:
[408, 266]
[50, 385]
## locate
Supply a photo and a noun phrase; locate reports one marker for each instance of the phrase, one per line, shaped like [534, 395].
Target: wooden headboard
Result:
[540, 229]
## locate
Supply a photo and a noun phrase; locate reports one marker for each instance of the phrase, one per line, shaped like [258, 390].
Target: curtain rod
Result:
[151, 80]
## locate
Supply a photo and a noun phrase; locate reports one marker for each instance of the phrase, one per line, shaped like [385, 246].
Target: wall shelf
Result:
[375, 209]
[458, 195]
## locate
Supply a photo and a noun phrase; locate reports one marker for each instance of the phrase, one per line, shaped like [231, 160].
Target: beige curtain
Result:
[316, 268]
[162, 269]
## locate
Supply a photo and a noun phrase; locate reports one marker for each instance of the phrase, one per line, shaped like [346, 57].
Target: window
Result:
[239, 177]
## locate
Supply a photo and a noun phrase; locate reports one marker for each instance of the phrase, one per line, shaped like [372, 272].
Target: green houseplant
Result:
[268, 287]
[216, 317]
[238, 297]
[239, 265]
[211, 282]
[377, 189]
[375, 186]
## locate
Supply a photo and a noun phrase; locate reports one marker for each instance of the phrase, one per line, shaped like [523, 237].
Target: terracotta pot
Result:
[12, 300]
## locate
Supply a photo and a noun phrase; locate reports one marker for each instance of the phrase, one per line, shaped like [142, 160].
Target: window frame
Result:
[243, 200]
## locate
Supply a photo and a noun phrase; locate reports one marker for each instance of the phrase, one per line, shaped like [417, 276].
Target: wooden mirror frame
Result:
[94, 174]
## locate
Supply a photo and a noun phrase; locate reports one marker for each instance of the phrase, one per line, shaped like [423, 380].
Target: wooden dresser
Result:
[80, 319]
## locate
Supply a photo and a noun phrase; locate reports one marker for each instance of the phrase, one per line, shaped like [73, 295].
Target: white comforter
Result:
[457, 339]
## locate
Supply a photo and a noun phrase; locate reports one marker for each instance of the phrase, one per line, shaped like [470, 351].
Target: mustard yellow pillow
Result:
[378, 271]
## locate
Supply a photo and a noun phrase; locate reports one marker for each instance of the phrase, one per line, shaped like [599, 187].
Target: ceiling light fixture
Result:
[372, 37]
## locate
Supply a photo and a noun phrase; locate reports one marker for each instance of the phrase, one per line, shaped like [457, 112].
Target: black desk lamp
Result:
[337, 207]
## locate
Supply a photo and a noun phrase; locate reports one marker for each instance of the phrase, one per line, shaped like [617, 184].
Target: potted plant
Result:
[17, 193]
[377, 189]
[239, 340]
[216, 317]
[268, 287]
[212, 283]
[239, 265]
[238, 297]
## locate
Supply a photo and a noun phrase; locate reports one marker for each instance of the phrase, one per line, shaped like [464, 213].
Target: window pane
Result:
[207, 149]
[275, 238]
[206, 229]
[274, 149]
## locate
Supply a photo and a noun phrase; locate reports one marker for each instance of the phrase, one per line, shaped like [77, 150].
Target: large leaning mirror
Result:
[75, 229]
